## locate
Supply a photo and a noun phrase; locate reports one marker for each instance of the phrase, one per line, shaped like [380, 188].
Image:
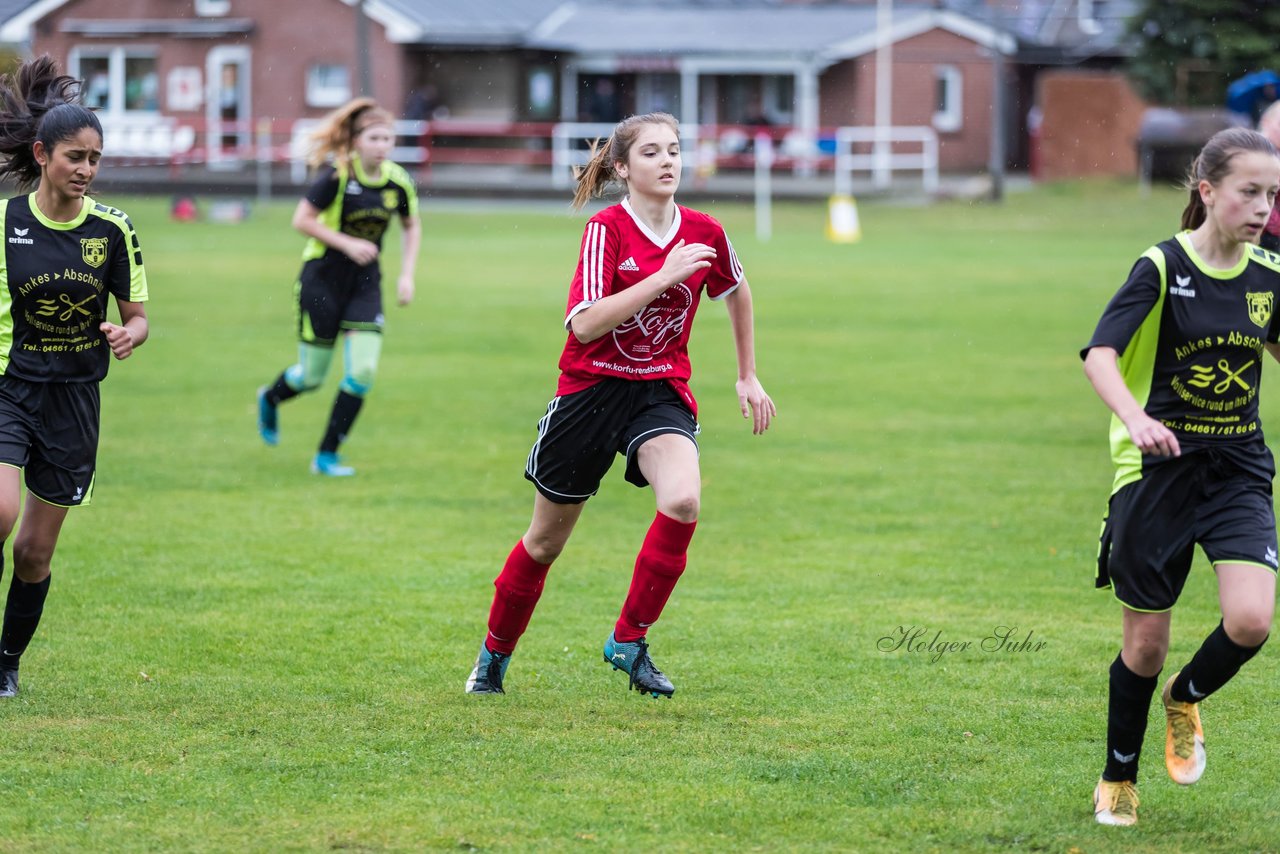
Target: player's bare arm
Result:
[306, 219]
[1147, 433]
[131, 334]
[409, 244]
[603, 315]
[753, 401]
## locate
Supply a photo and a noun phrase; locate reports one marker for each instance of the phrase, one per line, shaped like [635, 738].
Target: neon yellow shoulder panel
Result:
[1137, 366]
[330, 216]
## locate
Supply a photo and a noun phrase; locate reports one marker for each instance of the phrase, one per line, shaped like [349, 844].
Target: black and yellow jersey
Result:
[1191, 343]
[361, 205]
[56, 278]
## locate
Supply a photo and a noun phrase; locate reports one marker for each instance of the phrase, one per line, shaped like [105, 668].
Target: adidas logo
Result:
[629, 265]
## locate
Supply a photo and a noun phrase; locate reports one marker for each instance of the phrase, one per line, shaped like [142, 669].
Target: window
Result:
[117, 80]
[947, 112]
[328, 85]
[212, 8]
[1086, 18]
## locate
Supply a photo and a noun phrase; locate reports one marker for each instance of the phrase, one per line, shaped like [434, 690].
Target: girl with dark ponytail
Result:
[65, 255]
[1177, 357]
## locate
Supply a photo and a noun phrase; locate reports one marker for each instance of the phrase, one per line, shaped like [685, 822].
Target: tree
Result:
[1189, 50]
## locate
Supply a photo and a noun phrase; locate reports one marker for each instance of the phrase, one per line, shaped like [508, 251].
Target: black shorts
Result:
[1153, 525]
[581, 433]
[51, 431]
[334, 296]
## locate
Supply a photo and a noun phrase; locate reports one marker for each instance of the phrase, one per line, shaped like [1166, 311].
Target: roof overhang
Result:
[400, 28]
[18, 28]
[195, 28]
[932, 19]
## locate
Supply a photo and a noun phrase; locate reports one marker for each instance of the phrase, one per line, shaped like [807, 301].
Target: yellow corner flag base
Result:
[842, 220]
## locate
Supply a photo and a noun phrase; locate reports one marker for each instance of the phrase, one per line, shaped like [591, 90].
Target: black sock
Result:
[280, 391]
[21, 616]
[1215, 662]
[345, 409]
[1127, 708]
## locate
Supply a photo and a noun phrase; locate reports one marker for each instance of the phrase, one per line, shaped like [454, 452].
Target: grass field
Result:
[239, 656]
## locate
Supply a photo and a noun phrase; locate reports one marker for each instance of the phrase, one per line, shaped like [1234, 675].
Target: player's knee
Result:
[8, 518]
[359, 380]
[543, 547]
[31, 560]
[299, 379]
[361, 360]
[1146, 655]
[1251, 628]
[683, 507]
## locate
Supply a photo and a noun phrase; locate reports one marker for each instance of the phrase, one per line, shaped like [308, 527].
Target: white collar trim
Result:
[660, 242]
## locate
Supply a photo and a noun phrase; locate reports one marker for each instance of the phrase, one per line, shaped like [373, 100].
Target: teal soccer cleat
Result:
[490, 670]
[327, 464]
[268, 423]
[633, 658]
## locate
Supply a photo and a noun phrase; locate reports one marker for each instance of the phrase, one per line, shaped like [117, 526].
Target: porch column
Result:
[569, 92]
[807, 115]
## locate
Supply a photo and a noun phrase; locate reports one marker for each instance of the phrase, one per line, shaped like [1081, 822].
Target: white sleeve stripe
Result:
[733, 261]
[599, 271]
[588, 243]
[593, 263]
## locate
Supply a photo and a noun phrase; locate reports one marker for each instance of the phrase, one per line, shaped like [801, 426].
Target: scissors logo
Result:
[1231, 376]
[49, 307]
[1205, 376]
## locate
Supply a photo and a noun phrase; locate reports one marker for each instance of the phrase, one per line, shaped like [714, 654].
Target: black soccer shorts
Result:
[51, 431]
[1153, 525]
[333, 296]
[582, 432]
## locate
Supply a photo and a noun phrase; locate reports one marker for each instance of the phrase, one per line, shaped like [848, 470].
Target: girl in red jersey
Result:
[624, 389]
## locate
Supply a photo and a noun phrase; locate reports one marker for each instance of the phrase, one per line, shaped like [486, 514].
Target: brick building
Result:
[210, 70]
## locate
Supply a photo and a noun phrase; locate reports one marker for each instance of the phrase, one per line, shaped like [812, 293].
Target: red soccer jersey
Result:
[618, 251]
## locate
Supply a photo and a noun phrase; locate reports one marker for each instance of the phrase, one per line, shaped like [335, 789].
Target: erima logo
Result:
[353, 188]
[1271, 556]
[1182, 290]
[1124, 757]
[21, 237]
[629, 265]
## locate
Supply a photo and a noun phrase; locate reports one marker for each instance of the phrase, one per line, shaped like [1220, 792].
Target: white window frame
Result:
[950, 117]
[213, 8]
[320, 95]
[116, 56]
[1085, 18]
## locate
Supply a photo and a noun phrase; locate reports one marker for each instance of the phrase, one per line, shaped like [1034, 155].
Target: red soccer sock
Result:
[658, 567]
[518, 587]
